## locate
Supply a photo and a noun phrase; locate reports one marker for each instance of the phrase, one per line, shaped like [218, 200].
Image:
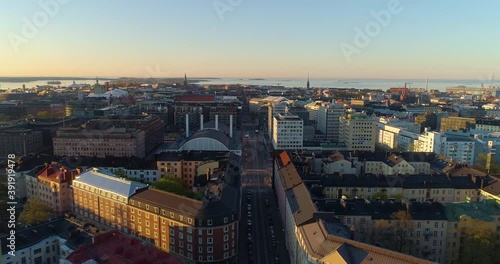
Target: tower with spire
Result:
[308, 85]
[185, 81]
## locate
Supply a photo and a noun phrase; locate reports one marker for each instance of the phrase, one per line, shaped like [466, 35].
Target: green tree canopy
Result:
[480, 244]
[175, 185]
[480, 164]
[35, 211]
[380, 195]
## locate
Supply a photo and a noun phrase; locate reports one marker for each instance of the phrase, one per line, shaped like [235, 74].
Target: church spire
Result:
[185, 80]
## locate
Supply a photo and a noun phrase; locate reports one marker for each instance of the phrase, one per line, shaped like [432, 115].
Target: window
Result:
[210, 240]
[172, 240]
[210, 249]
[172, 232]
[209, 222]
[37, 251]
[210, 231]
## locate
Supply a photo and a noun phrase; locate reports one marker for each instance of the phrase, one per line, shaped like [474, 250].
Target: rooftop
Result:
[109, 182]
[60, 227]
[486, 210]
[116, 248]
[192, 155]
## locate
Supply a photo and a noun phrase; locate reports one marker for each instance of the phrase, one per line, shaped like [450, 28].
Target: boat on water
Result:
[53, 82]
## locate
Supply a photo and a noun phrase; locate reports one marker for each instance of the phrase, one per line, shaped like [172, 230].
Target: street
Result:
[264, 239]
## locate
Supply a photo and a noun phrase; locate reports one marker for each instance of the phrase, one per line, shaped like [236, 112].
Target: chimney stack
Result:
[201, 121]
[231, 126]
[216, 122]
[187, 125]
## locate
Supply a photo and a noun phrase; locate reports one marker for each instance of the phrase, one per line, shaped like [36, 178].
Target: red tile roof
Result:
[116, 248]
[57, 173]
[195, 98]
[285, 159]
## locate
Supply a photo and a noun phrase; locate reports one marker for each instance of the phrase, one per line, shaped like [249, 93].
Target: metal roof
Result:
[109, 182]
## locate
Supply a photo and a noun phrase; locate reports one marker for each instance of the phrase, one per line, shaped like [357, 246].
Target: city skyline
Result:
[250, 39]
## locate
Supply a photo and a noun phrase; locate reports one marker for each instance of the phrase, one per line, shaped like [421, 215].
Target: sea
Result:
[383, 84]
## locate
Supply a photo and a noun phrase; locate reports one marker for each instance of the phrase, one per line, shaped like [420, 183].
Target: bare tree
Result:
[395, 234]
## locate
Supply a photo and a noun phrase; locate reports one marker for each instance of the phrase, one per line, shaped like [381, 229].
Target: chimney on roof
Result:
[201, 121]
[216, 122]
[231, 126]
[187, 125]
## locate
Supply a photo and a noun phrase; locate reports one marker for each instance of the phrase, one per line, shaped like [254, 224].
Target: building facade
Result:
[358, 131]
[52, 186]
[287, 132]
[328, 120]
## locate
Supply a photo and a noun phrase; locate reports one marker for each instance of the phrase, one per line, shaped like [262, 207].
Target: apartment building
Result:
[307, 238]
[187, 165]
[20, 142]
[491, 125]
[52, 186]
[274, 109]
[110, 137]
[49, 243]
[103, 197]
[429, 141]
[456, 123]
[426, 227]
[358, 131]
[328, 120]
[394, 138]
[415, 188]
[287, 132]
[465, 216]
[184, 227]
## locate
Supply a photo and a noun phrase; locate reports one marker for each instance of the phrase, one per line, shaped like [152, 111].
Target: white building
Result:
[394, 138]
[328, 120]
[272, 111]
[287, 132]
[358, 131]
[429, 141]
[460, 149]
[313, 108]
[457, 146]
[46, 243]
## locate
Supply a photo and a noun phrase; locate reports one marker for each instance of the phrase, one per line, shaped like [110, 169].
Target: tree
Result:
[120, 173]
[175, 185]
[395, 234]
[380, 195]
[35, 211]
[480, 244]
[4, 118]
[480, 164]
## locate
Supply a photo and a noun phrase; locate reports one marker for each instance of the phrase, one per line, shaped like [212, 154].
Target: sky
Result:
[447, 39]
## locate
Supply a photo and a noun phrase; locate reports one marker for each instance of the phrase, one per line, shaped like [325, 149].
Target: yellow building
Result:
[103, 197]
[187, 165]
[456, 123]
[476, 217]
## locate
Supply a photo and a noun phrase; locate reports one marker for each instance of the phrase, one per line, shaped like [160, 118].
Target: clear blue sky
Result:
[451, 39]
